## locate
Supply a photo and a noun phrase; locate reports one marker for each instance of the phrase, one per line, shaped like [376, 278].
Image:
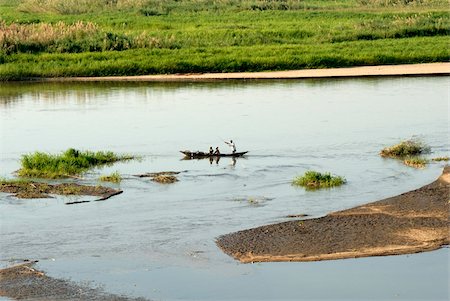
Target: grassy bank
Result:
[49, 38]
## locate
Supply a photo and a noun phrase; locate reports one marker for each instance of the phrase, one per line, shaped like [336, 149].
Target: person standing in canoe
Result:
[232, 146]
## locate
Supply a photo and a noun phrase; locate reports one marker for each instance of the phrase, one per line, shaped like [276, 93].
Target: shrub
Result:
[314, 180]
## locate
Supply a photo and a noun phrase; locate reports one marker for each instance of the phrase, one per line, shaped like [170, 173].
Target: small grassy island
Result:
[115, 177]
[314, 180]
[61, 38]
[70, 163]
[409, 151]
[405, 148]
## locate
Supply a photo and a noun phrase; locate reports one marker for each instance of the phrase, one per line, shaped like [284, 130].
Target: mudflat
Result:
[23, 282]
[412, 222]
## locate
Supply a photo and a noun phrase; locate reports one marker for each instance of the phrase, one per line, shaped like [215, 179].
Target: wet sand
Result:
[24, 282]
[36, 190]
[412, 222]
[364, 71]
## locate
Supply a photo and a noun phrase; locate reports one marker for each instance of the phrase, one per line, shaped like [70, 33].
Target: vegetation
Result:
[315, 180]
[417, 162]
[69, 163]
[48, 38]
[115, 177]
[438, 159]
[164, 179]
[405, 148]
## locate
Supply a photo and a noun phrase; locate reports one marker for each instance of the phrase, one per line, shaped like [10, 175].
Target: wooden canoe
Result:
[201, 155]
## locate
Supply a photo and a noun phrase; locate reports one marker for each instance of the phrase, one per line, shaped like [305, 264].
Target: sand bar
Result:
[24, 282]
[365, 71]
[412, 222]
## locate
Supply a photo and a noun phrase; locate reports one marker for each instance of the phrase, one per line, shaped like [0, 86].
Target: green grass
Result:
[407, 148]
[69, 163]
[416, 162]
[51, 38]
[314, 180]
[115, 177]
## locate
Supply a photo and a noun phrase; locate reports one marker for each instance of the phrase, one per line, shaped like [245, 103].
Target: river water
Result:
[158, 241]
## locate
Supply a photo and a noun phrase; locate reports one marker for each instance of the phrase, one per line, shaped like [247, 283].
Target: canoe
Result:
[201, 155]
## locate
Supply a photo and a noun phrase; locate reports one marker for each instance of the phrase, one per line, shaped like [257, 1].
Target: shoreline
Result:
[429, 69]
[412, 222]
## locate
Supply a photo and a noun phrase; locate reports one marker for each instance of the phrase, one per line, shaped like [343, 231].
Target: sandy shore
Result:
[366, 71]
[24, 282]
[412, 222]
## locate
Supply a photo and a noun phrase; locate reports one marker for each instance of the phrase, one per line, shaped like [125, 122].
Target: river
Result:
[158, 241]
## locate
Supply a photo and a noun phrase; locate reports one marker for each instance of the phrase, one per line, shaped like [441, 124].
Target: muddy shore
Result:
[36, 190]
[412, 222]
[24, 282]
[430, 69]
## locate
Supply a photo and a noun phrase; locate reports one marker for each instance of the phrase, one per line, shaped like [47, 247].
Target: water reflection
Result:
[84, 92]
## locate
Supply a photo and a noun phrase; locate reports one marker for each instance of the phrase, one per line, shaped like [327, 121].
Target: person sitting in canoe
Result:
[217, 152]
[232, 146]
[211, 151]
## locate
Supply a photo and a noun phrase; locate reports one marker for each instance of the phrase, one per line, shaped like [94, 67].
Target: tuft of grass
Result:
[314, 180]
[165, 179]
[69, 163]
[438, 159]
[115, 177]
[416, 162]
[405, 149]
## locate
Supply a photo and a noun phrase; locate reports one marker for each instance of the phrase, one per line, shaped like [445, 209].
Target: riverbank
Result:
[412, 222]
[432, 69]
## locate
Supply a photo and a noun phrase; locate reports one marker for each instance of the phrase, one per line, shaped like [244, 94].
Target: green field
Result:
[54, 38]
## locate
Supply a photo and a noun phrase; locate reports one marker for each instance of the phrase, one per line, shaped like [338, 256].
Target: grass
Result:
[315, 180]
[407, 148]
[52, 38]
[69, 163]
[416, 162]
[439, 159]
[165, 179]
[115, 177]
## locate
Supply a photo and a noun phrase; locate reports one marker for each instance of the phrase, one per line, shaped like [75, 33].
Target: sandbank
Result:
[412, 222]
[24, 282]
[430, 69]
